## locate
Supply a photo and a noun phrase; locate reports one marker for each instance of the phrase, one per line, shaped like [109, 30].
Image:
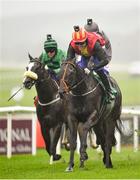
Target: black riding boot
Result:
[109, 89]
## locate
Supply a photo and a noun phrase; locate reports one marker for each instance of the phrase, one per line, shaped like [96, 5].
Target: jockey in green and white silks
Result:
[52, 56]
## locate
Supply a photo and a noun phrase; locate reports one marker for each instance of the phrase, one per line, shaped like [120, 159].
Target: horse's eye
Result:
[71, 69]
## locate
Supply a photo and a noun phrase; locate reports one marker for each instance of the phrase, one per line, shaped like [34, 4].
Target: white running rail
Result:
[135, 114]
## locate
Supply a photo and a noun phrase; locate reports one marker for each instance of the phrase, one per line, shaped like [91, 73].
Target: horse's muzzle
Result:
[28, 83]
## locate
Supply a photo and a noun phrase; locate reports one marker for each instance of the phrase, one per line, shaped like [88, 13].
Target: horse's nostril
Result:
[27, 84]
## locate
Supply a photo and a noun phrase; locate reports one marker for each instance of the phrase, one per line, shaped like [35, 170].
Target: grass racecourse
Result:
[126, 166]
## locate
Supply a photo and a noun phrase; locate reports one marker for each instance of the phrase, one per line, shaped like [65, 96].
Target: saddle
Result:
[105, 105]
[106, 93]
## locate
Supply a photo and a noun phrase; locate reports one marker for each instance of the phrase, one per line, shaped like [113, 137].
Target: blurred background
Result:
[25, 23]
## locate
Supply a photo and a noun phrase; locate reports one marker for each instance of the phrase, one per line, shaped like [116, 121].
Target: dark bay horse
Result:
[87, 108]
[50, 108]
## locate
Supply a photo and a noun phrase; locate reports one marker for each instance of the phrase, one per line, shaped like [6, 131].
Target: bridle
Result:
[67, 88]
[33, 75]
[35, 79]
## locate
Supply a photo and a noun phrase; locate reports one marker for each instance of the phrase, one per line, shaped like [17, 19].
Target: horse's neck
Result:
[46, 90]
[86, 85]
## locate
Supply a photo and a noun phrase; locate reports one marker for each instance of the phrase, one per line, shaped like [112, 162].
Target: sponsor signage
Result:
[21, 136]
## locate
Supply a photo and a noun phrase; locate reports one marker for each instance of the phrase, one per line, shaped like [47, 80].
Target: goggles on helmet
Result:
[80, 43]
[50, 50]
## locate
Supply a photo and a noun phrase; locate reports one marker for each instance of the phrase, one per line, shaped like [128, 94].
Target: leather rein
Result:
[68, 88]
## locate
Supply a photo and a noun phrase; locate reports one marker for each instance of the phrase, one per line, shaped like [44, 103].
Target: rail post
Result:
[9, 135]
[136, 137]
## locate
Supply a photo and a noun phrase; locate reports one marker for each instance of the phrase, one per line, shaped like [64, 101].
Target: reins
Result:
[85, 94]
[69, 89]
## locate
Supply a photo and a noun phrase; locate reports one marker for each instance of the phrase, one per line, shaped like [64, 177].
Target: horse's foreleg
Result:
[46, 135]
[72, 124]
[83, 154]
[92, 138]
[54, 140]
[92, 120]
[65, 137]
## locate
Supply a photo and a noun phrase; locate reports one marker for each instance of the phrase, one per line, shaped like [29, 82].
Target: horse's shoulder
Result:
[114, 82]
[97, 79]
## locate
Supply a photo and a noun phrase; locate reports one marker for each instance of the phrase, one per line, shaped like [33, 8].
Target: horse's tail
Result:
[119, 126]
[118, 110]
[118, 106]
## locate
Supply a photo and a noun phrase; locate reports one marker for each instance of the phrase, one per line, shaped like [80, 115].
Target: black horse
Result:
[50, 108]
[87, 108]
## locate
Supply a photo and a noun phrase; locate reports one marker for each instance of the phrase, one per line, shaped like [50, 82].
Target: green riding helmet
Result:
[50, 43]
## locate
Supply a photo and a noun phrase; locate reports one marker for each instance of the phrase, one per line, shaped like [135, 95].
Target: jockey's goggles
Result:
[80, 43]
[51, 50]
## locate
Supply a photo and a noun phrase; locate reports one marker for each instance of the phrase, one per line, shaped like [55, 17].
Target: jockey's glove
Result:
[87, 71]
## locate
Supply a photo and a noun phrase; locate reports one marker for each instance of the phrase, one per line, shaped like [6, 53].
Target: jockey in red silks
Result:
[91, 47]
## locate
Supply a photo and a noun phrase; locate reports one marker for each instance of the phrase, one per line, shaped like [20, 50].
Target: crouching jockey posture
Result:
[52, 57]
[92, 26]
[91, 45]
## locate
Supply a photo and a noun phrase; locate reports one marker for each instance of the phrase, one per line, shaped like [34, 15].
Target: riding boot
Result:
[111, 92]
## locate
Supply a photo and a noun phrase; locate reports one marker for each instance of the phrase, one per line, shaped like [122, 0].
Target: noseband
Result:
[33, 75]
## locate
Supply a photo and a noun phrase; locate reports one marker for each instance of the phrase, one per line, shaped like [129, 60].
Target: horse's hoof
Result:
[56, 157]
[81, 165]
[109, 166]
[104, 161]
[69, 169]
[84, 157]
[94, 146]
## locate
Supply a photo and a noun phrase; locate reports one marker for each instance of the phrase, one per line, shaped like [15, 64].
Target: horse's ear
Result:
[74, 60]
[71, 59]
[30, 57]
[39, 59]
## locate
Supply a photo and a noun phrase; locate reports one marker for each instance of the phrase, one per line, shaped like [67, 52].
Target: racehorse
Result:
[87, 108]
[50, 108]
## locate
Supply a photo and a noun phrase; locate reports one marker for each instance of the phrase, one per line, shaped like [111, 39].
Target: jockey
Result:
[92, 26]
[91, 48]
[52, 56]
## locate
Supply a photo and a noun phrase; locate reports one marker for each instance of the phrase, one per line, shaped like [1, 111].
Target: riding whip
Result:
[16, 92]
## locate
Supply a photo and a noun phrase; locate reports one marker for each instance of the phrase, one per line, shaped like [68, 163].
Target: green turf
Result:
[126, 166]
[10, 78]
[130, 87]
